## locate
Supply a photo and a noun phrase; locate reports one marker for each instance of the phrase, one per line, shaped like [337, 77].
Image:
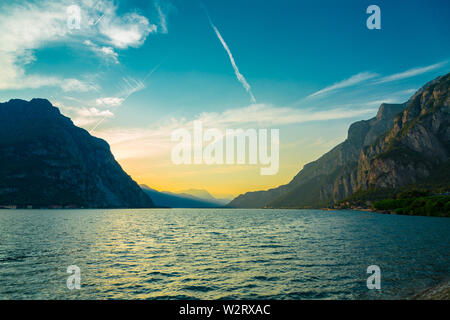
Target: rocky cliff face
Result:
[46, 160]
[416, 145]
[382, 152]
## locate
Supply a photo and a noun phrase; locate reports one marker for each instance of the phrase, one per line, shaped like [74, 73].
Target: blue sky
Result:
[313, 68]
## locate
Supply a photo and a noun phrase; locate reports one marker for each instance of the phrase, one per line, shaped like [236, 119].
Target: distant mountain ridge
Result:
[198, 193]
[204, 195]
[173, 200]
[402, 145]
[45, 160]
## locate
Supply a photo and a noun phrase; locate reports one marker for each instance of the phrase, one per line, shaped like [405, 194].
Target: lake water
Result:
[219, 254]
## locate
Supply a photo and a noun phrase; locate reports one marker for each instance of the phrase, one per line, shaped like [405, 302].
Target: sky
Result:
[136, 71]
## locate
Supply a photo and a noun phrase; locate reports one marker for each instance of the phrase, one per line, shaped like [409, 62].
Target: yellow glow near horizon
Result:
[146, 156]
[219, 180]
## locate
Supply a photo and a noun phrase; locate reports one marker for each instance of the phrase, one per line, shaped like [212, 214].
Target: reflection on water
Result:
[218, 254]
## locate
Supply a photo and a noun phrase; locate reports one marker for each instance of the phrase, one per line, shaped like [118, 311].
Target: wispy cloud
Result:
[109, 102]
[353, 80]
[105, 52]
[375, 79]
[77, 85]
[23, 29]
[28, 26]
[83, 115]
[86, 116]
[268, 115]
[162, 18]
[131, 30]
[411, 72]
[128, 87]
[239, 75]
[155, 141]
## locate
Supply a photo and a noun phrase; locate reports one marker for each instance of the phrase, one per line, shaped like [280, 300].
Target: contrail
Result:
[130, 92]
[239, 75]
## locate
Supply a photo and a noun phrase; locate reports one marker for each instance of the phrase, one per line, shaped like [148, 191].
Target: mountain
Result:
[314, 185]
[172, 200]
[45, 160]
[404, 144]
[204, 195]
[198, 193]
[417, 146]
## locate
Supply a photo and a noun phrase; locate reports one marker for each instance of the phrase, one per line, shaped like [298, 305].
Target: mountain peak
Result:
[48, 161]
[388, 110]
[35, 107]
[403, 145]
[34, 101]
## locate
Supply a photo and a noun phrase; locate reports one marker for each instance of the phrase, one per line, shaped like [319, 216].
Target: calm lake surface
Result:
[219, 254]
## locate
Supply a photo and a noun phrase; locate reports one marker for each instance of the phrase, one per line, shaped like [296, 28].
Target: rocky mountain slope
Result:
[416, 146]
[404, 144]
[45, 160]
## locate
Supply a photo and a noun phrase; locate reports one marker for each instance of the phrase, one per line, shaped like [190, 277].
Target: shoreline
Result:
[391, 212]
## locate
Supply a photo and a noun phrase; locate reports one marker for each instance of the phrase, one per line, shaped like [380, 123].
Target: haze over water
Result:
[219, 254]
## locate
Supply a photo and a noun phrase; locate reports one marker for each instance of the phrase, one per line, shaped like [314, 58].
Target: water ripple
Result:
[218, 254]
